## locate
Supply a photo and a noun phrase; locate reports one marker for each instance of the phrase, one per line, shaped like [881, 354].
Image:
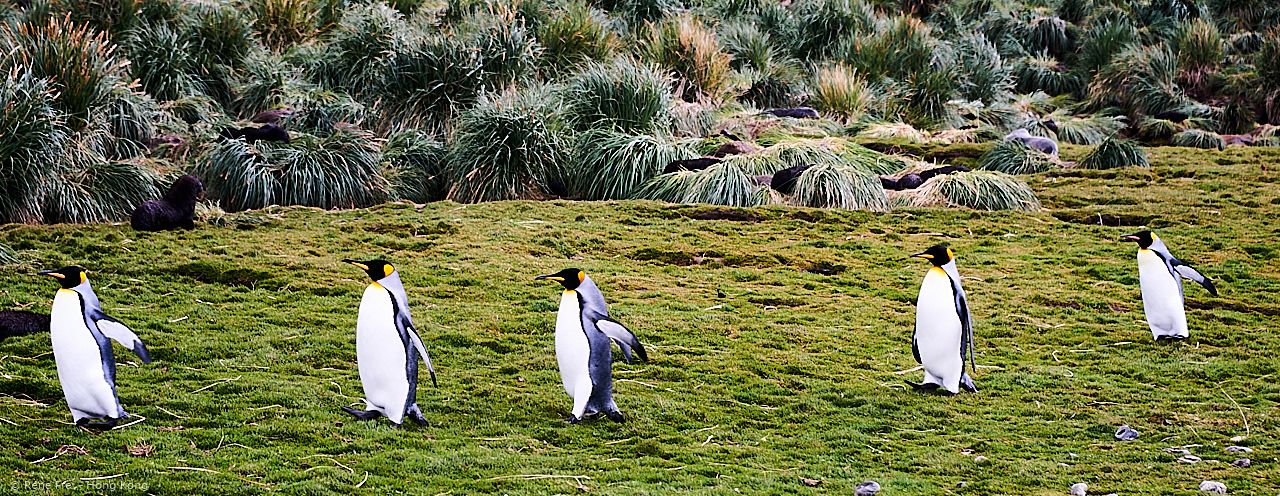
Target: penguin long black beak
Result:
[549, 277]
[921, 255]
[51, 273]
[356, 263]
[1128, 237]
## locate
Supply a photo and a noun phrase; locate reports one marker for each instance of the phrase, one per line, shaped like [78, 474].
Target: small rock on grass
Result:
[1126, 433]
[979, 459]
[1239, 449]
[1214, 487]
[1242, 463]
[1189, 459]
[1177, 451]
[1079, 489]
[868, 488]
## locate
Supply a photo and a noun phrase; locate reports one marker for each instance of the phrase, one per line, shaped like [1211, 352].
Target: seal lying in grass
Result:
[21, 322]
[173, 211]
[1045, 145]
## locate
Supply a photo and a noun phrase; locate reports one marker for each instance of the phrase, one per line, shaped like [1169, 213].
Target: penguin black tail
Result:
[362, 414]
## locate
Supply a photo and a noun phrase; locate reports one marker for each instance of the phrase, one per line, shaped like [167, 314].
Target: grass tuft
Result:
[1114, 153]
[622, 95]
[831, 185]
[508, 146]
[979, 190]
[1014, 157]
[1195, 138]
[608, 165]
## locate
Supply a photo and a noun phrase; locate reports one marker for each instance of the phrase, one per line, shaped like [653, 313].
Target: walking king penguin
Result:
[583, 333]
[1161, 278]
[81, 348]
[387, 348]
[944, 329]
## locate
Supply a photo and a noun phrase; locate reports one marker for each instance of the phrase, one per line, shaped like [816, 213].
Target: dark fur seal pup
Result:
[173, 211]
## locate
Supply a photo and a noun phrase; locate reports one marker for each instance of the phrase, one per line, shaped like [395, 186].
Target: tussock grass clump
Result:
[573, 35]
[1045, 73]
[281, 24]
[1014, 157]
[894, 130]
[841, 93]
[81, 64]
[609, 165]
[1200, 50]
[414, 166]
[7, 255]
[162, 61]
[506, 147]
[1090, 130]
[1195, 138]
[90, 189]
[33, 136]
[1113, 153]
[623, 95]
[979, 190]
[342, 171]
[839, 186]
[689, 49]
[1142, 78]
[721, 184]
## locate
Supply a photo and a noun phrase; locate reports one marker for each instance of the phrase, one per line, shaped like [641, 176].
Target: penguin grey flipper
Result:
[1189, 272]
[422, 352]
[362, 414]
[625, 339]
[116, 330]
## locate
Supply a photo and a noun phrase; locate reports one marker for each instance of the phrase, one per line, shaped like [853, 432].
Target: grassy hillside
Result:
[761, 373]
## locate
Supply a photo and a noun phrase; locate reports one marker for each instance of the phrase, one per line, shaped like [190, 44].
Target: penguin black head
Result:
[1143, 238]
[377, 269]
[569, 278]
[69, 276]
[940, 255]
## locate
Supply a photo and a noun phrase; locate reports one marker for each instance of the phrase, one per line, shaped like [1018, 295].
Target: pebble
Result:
[1242, 463]
[1125, 433]
[1239, 449]
[868, 488]
[962, 484]
[979, 459]
[1072, 455]
[1079, 489]
[1189, 459]
[1214, 487]
[1063, 465]
[1239, 438]
[1177, 451]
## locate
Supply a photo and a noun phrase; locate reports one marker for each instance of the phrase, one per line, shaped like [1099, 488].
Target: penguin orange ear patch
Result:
[388, 269]
[950, 254]
[582, 276]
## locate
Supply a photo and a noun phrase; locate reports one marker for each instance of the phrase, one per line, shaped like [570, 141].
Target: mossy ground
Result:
[760, 375]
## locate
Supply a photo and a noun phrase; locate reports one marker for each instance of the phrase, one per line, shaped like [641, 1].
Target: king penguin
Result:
[387, 348]
[944, 329]
[81, 335]
[1160, 276]
[583, 333]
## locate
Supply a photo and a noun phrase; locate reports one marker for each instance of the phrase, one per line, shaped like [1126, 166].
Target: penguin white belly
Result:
[573, 352]
[938, 331]
[381, 355]
[80, 370]
[1161, 300]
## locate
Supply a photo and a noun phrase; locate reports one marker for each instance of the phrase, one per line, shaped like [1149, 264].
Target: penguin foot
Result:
[361, 414]
[573, 419]
[927, 387]
[616, 417]
[966, 383]
[105, 425]
[1169, 338]
[418, 418]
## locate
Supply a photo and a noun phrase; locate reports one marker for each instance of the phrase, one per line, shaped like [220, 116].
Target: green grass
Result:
[759, 374]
